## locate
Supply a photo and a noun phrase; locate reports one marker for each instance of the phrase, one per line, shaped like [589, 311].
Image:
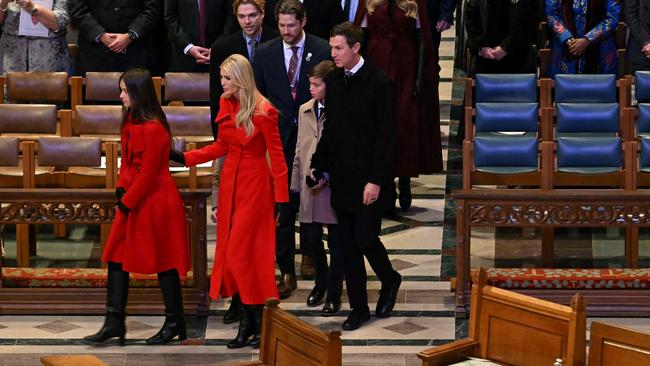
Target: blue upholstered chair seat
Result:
[643, 120]
[589, 155]
[642, 86]
[587, 118]
[506, 155]
[644, 159]
[585, 88]
[506, 117]
[508, 88]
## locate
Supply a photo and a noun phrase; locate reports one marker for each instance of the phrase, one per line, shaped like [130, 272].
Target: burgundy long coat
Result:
[393, 48]
[244, 260]
[152, 237]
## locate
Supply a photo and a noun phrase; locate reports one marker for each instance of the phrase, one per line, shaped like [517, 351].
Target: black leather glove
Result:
[176, 156]
[120, 192]
[122, 207]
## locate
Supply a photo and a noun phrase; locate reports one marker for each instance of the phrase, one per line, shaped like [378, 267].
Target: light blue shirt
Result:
[249, 47]
[353, 9]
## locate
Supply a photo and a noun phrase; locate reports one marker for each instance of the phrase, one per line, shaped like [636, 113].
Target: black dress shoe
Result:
[405, 198]
[387, 297]
[331, 307]
[356, 318]
[316, 295]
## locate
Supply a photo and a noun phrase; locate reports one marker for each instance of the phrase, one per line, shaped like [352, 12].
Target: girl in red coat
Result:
[149, 232]
[244, 260]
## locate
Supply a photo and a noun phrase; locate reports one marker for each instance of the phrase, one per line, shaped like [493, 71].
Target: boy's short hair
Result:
[322, 69]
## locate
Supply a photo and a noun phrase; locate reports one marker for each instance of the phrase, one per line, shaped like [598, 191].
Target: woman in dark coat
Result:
[149, 233]
[399, 43]
[244, 261]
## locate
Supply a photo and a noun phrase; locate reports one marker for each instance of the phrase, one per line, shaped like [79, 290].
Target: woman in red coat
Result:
[244, 260]
[399, 43]
[149, 232]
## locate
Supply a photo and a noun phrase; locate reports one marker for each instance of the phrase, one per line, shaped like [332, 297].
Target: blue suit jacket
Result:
[273, 82]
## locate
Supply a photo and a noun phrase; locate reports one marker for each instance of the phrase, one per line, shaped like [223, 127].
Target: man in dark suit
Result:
[192, 26]
[250, 15]
[441, 17]
[114, 35]
[322, 15]
[281, 68]
[356, 149]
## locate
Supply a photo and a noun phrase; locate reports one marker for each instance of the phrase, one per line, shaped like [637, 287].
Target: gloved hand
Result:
[122, 207]
[176, 156]
[120, 192]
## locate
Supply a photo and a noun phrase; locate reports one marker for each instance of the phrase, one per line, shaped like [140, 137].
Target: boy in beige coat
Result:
[315, 209]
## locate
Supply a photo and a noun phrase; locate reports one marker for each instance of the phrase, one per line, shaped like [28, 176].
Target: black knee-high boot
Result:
[234, 311]
[257, 320]
[170, 286]
[246, 328]
[404, 193]
[117, 291]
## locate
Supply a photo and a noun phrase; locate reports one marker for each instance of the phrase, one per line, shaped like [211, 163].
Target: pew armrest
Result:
[449, 353]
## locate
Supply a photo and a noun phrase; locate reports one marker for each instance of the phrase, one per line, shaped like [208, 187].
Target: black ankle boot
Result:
[170, 286]
[246, 329]
[117, 290]
[233, 313]
[174, 326]
[257, 320]
[113, 327]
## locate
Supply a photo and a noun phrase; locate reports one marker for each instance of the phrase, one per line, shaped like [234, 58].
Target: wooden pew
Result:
[513, 329]
[610, 345]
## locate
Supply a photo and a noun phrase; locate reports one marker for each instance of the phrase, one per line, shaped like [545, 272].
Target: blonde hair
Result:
[410, 7]
[241, 73]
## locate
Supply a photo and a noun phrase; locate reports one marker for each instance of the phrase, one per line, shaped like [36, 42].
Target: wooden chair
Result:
[31, 121]
[289, 341]
[100, 88]
[181, 87]
[502, 131]
[191, 125]
[103, 121]
[36, 87]
[514, 329]
[611, 345]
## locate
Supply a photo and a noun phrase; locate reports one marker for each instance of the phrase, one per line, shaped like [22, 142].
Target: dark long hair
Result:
[144, 104]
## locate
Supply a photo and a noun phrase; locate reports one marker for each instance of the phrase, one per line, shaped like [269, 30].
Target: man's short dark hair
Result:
[294, 7]
[352, 33]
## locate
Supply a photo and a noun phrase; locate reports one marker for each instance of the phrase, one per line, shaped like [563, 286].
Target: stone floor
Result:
[420, 243]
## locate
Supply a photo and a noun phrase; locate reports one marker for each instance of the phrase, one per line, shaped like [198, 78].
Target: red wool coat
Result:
[152, 237]
[244, 260]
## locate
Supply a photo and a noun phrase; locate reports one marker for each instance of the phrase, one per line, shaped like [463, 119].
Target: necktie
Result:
[320, 113]
[253, 45]
[347, 76]
[346, 9]
[202, 14]
[293, 68]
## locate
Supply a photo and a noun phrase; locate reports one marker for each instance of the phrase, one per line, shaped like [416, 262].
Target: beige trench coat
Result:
[314, 207]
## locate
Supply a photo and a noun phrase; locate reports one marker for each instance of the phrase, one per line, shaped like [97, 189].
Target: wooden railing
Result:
[94, 206]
